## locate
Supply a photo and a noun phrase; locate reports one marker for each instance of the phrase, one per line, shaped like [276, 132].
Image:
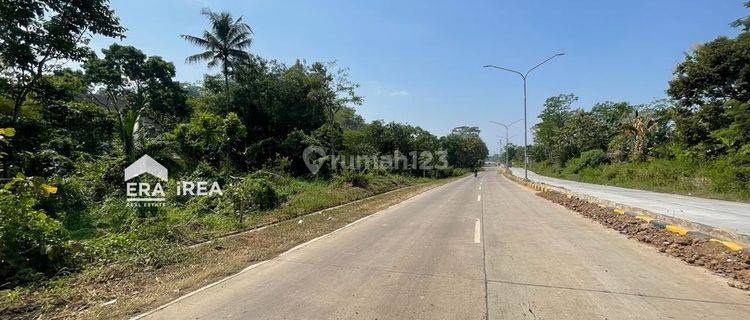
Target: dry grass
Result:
[137, 291]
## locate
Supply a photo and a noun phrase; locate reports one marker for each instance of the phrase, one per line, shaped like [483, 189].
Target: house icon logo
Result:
[145, 192]
[146, 164]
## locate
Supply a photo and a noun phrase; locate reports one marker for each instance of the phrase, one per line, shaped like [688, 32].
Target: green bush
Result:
[251, 195]
[69, 206]
[115, 215]
[588, 159]
[354, 178]
[31, 243]
[731, 173]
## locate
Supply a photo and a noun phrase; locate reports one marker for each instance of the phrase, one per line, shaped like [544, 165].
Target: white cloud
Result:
[399, 93]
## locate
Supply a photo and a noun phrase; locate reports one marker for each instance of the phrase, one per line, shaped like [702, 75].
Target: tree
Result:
[709, 86]
[333, 92]
[204, 137]
[714, 72]
[225, 43]
[135, 87]
[348, 118]
[40, 35]
[550, 133]
[465, 150]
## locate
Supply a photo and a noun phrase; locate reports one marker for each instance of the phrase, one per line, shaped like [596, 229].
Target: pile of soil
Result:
[693, 250]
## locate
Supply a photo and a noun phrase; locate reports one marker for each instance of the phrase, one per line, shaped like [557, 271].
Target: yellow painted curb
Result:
[730, 245]
[675, 229]
[647, 219]
[619, 211]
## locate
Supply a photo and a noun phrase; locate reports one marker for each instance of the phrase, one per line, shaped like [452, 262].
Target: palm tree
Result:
[225, 43]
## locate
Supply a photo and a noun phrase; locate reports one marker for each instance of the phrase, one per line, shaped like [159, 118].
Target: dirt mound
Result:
[691, 249]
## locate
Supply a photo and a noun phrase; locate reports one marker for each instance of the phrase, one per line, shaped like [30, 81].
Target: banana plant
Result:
[639, 128]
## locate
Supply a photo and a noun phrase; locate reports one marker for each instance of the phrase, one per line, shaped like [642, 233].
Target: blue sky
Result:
[419, 62]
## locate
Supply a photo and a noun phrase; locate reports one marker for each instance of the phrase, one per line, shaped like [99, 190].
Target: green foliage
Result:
[550, 133]
[89, 125]
[206, 136]
[38, 34]
[464, 150]
[225, 43]
[80, 129]
[710, 88]
[714, 72]
[5, 135]
[31, 243]
[251, 195]
[293, 146]
[139, 90]
[137, 251]
[69, 205]
[695, 144]
[353, 178]
[588, 159]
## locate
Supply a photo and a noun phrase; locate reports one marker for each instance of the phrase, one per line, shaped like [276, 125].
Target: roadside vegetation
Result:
[695, 143]
[67, 134]
[125, 281]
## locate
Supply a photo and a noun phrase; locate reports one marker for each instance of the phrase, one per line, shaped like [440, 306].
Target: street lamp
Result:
[507, 139]
[525, 123]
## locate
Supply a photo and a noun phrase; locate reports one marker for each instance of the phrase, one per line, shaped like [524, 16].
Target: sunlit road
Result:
[476, 248]
[727, 215]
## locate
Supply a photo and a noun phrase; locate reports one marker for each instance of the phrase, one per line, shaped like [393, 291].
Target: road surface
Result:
[476, 248]
[727, 215]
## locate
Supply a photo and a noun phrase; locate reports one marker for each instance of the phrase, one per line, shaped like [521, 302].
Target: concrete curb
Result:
[654, 222]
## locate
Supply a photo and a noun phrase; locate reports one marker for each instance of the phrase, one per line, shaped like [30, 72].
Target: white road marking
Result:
[477, 231]
[480, 187]
[479, 197]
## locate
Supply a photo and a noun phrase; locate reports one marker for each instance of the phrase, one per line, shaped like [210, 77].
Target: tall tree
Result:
[709, 86]
[465, 148]
[135, 87]
[39, 35]
[225, 43]
[550, 134]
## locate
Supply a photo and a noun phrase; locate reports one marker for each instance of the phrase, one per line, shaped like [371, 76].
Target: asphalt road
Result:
[429, 258]
[731, 216]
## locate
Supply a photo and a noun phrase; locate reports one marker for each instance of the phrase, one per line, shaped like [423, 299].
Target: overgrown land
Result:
[697, 142]
[68, 239]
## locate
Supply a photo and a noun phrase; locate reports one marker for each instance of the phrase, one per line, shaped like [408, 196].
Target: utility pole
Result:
[525, 122]
[507, 138]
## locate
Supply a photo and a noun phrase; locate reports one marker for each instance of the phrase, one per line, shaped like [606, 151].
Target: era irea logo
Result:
[153, 193]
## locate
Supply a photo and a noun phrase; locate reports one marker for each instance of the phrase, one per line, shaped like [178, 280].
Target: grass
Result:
[302, 197]
[152, 272]
[715, 180]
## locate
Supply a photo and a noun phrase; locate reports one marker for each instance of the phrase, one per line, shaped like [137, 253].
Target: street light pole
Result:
[507, 138]
[525, 122]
